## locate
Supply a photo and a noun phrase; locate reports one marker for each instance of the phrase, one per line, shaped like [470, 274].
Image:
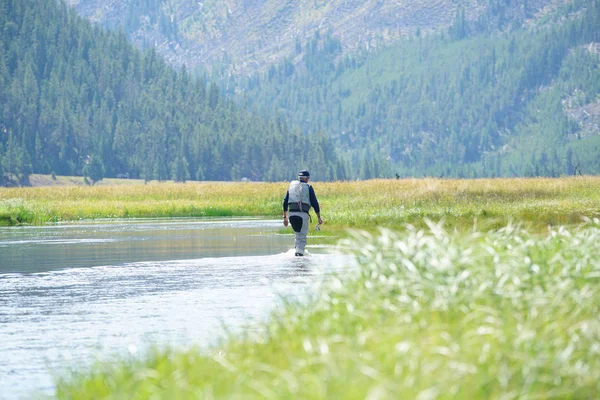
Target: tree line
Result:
[484, 98]
[78, 100]
[469, 102]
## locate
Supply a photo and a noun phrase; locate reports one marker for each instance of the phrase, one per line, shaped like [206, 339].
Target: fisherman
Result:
[299, 199]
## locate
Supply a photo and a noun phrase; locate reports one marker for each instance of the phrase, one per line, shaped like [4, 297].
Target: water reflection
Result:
[34, 249]
[68, 293]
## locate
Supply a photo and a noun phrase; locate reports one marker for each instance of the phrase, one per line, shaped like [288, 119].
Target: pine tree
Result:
[180, 171]
[94, 169]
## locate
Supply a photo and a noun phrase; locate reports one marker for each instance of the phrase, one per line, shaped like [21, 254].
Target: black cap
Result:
[304, 173]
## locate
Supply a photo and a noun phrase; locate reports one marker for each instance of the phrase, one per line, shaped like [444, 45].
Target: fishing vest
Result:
[299, 199]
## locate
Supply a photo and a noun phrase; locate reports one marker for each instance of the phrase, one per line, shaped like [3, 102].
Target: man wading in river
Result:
[299, 198]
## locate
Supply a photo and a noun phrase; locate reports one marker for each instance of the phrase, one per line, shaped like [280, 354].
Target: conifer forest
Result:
[488, 98]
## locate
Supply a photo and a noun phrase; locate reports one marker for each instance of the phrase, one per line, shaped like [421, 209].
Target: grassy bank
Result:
[493, 311]
[40, 205]
[427, 315]
[490, 203]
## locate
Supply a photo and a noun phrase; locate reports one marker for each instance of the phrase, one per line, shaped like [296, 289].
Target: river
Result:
[74, 293]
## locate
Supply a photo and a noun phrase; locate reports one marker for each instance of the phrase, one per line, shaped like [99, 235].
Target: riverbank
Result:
[490, 292]
[485, 203]
[429, 314]
[96, 289]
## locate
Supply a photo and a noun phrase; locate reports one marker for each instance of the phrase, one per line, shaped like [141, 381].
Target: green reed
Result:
[424, 313]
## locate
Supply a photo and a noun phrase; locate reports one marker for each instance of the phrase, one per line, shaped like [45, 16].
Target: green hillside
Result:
[76, 100]
[464, 103]
[500, 92]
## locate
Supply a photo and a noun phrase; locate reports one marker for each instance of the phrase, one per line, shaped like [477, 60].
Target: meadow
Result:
[488, 203]
[462, 289]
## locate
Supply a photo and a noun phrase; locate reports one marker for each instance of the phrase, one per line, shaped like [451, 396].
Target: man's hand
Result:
[285, 221]
[320, 221]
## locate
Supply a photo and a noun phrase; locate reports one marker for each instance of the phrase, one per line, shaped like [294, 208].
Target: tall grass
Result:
[427, 314]
[491, 203]
[68, 203]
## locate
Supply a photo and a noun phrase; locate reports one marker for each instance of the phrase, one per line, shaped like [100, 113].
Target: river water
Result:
[72, 294]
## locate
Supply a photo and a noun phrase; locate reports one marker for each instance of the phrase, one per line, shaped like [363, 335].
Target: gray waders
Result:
[299, 221]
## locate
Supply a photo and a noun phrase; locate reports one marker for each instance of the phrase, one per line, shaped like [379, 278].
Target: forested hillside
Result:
[463, 103]
[75, 100]
[502, 94]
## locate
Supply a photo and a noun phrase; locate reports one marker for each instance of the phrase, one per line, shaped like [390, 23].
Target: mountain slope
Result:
[77, 100]
[249, 35]
[519, 103]
[478, 88]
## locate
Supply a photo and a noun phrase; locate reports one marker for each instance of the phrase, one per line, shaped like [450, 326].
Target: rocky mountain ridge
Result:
[249, 35]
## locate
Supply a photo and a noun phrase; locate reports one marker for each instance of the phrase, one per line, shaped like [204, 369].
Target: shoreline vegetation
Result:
[427, 315]
[483, 289]
[535, 203]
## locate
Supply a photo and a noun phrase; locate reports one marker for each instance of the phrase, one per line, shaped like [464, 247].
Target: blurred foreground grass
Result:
[426, 314]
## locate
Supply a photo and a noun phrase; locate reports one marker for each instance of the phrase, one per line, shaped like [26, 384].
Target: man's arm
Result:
[315, 203]
[286, 200]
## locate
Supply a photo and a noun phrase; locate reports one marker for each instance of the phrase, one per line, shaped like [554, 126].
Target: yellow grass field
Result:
[486, 203]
